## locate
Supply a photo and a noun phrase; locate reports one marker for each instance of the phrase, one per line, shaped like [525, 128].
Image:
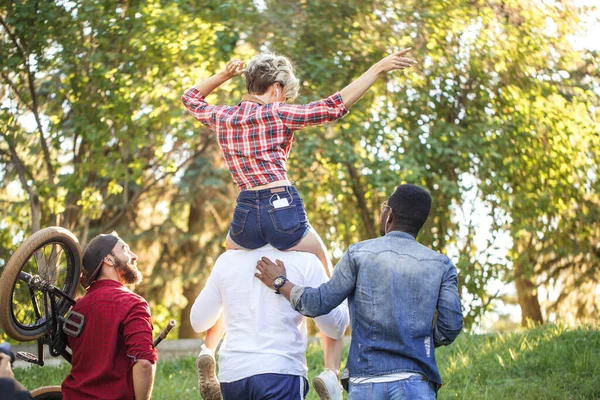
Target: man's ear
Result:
[109, 260]
[389, 220]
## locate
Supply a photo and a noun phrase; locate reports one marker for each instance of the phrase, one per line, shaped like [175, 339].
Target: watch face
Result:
[277, 281]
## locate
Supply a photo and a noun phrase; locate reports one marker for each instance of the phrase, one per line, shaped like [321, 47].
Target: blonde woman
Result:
[255, 137]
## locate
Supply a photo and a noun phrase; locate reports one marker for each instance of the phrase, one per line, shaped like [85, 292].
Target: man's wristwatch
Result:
[278, 283]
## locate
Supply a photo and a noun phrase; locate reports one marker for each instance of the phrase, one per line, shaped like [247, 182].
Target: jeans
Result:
[413, 388]
[256, 221]
[266, 386]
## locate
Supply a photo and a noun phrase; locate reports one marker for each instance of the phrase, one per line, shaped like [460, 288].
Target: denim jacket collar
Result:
[401, 235]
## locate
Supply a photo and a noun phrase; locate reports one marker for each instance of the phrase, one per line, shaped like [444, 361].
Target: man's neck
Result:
[397, 229]
[105, 277]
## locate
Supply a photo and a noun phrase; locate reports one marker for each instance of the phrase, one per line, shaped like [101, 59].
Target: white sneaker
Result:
[327, 386]
[208, 384]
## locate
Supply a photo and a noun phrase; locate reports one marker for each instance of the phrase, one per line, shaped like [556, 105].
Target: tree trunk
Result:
[361, 202]
[190, 292]
[36, 213]
[527, 295]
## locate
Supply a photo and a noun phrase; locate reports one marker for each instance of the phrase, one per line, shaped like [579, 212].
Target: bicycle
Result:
[36, 297]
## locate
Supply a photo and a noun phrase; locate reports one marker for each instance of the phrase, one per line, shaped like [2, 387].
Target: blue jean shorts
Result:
[257, 221]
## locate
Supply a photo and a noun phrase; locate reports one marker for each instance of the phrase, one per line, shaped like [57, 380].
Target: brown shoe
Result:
[208, 384]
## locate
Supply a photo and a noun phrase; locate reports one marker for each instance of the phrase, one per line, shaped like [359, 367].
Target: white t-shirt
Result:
[264, 333]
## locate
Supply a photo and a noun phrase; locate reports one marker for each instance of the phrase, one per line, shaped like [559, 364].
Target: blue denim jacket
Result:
[394, 286]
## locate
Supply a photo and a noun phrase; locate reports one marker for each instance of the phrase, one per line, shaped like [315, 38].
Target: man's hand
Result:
[234, 68]
[5, 369]
[269, 270]
[7, 373]
[396, 61]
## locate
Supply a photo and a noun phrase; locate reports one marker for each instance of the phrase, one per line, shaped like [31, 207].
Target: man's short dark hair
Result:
[411, 205]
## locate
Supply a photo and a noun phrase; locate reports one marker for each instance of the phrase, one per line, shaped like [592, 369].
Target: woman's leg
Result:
[214, 334]
[208, 384]
[312, 243]
[332, 348]
[332, 353]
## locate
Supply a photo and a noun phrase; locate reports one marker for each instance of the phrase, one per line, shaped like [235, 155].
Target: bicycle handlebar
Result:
[165, 332]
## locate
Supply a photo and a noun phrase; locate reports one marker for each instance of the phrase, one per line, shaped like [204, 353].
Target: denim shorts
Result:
[257, 222]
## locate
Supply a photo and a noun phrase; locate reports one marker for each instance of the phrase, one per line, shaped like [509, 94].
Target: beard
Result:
[129, 272]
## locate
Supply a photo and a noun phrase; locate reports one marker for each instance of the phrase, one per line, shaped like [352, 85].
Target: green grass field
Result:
[545, 363]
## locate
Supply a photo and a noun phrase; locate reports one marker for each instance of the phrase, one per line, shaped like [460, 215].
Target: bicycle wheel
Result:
[47, 393]
[55, 255]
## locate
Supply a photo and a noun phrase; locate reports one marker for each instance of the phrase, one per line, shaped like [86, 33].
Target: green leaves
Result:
[500, 111]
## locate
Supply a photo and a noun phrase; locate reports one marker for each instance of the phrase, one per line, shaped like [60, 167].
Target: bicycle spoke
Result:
[46, 261]
[29, 307]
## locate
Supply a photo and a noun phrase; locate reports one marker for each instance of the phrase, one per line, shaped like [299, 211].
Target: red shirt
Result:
[117, 332]
[256, 138]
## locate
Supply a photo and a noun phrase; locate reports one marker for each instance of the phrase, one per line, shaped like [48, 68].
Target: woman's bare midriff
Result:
[283, 182]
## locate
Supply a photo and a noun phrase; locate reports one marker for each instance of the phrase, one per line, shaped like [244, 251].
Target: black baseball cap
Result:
[94, 253]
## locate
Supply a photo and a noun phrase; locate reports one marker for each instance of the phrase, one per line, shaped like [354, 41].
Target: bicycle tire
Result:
[22, 256]
[47, 393]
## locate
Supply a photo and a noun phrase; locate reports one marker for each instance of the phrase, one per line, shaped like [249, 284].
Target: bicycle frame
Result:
[54, 336]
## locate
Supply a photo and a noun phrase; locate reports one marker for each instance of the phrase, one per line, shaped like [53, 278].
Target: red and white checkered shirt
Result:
[255, 137]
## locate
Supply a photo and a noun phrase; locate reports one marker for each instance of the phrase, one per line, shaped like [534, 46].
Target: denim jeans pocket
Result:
[363, 391]
[420, 388]
[285, 219]
[238, 222]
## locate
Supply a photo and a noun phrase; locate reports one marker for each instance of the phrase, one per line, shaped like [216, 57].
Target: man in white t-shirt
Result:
[263, 355]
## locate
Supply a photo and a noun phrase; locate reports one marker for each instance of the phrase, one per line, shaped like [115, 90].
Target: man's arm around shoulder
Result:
[334, 323]
[449, 322]
[313, 302]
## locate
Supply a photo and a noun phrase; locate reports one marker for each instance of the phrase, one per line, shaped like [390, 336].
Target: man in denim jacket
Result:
[394, 286]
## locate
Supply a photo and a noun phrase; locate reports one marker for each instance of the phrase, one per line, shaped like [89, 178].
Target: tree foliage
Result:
[500, 113]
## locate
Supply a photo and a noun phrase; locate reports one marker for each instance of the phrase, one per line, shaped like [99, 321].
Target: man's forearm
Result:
[354, 91]
[208, 85]
[286, 289]
[143, 379]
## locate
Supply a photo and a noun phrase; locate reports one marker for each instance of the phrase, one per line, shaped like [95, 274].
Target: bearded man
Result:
[114, 356]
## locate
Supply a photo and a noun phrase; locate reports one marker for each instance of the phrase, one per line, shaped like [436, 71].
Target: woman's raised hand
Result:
[396, 61]
[234, 68]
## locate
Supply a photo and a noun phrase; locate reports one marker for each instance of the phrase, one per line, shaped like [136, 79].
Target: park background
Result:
[499, 121]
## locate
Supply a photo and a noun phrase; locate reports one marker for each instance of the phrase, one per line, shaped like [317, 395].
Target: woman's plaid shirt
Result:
[256, 138]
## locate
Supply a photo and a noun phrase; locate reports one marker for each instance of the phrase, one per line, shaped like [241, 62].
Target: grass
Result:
[553, 362]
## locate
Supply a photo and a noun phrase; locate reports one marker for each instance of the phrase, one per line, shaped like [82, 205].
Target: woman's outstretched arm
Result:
[354, 91]
[234, 68]
[193, 98]
[296, 116]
